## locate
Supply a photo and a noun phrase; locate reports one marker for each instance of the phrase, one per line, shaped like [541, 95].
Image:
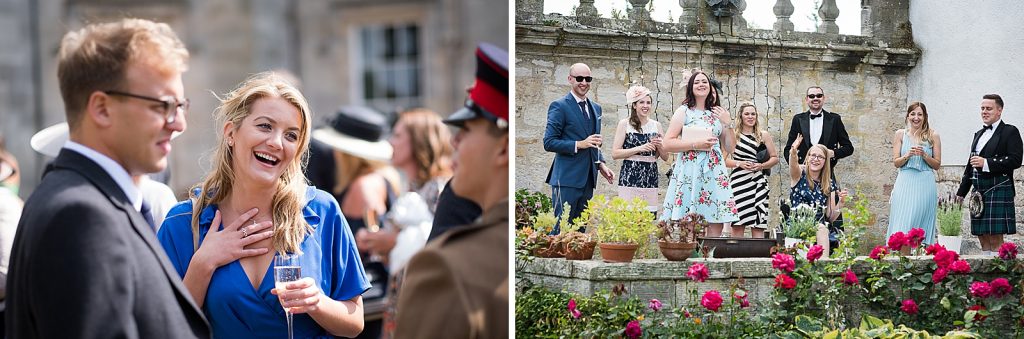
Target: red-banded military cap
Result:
[488, 97]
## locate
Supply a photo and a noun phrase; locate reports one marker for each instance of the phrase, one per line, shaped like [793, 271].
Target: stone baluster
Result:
[689, 17]
[639, 10]
[737, 16]
[783, 10]
[865, 19]
[586, 9]
[828, 12]
[529, 11]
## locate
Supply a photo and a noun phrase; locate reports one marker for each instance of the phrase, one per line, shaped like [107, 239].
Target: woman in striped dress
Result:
[638, 143]
[749, 183]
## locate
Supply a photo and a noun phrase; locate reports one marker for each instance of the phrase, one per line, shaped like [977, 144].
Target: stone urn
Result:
[618, 252]
[676, 251]
[582, 252]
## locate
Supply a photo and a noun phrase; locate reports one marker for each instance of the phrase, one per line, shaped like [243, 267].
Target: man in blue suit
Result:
[573, 133]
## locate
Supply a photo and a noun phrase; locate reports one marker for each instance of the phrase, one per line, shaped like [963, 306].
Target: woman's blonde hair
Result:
[757, 122]
[925, 133]
[348, 168]
[287, 203]
[825, 176]
[431, 144]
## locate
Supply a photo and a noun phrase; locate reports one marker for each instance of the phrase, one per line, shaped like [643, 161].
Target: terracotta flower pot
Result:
[676, 251]
[614, 252]
[548, 252]
[585, 252]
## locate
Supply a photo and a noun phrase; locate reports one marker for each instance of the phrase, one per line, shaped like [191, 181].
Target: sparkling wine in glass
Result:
[974, 170]
[286, 269]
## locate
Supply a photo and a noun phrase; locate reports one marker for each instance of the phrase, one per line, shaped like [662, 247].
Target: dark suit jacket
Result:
[457, 286]
[833, 136]
[566, 125]
[85, 264]
[1003, 152]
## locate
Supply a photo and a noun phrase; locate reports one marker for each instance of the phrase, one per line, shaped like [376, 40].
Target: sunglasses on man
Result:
[582, 78]
[815, 96]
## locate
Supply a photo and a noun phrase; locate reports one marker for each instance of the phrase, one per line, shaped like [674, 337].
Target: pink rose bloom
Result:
[698, 272]
[633, 330]
[572, 309]
[878, 252]
[1000, 287]
[741, 297]
[898, 240]
[980, 289]
[940, 274]
[783, 262]
[815, 253]
[711, 300]
[933, 249]
[784, 281]
[960, 267]
[909, 306]
[916, 236]
[849, 277]
[1008, 251]
[654, 305]
[945, 258]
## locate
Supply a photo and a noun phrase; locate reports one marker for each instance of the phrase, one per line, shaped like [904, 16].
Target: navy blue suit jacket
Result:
[566, 125]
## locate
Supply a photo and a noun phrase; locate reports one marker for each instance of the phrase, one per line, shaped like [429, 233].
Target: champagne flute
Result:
[974, 170]
[372, 226]
[286, 269]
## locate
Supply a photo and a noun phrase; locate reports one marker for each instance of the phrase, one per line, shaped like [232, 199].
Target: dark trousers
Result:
[577, 199]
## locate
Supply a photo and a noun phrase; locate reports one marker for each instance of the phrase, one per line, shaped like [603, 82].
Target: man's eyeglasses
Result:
[815, 96]
[581, 78]
[171, 106]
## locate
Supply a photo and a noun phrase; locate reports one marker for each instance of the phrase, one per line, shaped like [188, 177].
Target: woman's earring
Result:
[231, 143]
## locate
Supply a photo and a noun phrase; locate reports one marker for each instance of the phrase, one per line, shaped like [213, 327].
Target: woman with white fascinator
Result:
[159, 198]
[638, 143]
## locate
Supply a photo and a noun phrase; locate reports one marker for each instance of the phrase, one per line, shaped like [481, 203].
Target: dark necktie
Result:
[148, 214]
[815, 116]
[583, 107]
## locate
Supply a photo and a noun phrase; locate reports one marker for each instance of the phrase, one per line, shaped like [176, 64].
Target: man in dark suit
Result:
[85, 261]
[995, 152]
[573, 133]
[819, 126]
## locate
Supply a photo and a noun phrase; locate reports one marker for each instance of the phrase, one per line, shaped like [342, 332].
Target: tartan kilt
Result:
[998, 216]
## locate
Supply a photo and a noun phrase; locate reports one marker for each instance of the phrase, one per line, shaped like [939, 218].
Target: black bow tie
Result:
[986, 127]
[815, 116]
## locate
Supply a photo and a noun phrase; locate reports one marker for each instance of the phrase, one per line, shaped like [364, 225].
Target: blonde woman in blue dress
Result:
[700, 181]
[917, 153]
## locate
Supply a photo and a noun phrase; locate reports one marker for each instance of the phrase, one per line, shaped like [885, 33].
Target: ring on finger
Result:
[245, 232]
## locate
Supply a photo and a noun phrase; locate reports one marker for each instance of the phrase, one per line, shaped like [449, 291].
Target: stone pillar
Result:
[828, 12]
[639, 11]
[586, 10]
[737, 14]
[529, 11]
[689, 17]
[783, 10]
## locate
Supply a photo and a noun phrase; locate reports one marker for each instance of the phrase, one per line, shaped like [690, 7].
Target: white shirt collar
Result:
[819, 112]
[578, 99]
[996, 124]
[115, 170]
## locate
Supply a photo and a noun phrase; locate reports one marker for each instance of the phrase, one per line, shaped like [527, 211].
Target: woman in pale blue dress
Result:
[700, 181]
[917, 153]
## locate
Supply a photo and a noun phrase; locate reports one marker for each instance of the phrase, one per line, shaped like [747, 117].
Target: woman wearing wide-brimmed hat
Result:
[365, 184]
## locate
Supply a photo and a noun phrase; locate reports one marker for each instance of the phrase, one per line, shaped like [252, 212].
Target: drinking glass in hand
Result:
[286, 269]
[974, 170]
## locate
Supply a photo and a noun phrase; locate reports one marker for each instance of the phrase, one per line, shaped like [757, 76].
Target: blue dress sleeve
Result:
[347, 276]
[175, 236]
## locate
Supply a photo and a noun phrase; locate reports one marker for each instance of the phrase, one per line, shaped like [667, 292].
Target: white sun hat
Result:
[358, 131]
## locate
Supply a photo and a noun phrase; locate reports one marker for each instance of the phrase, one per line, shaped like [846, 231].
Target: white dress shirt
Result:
[115, 170]
[815, 126]
[983, 139]
[578, 100]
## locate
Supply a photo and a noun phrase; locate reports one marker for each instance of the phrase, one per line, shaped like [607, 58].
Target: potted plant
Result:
[622, 226]
[539, 242]
[579, 245]
[678, 238]
[950, 218]
[803, 225]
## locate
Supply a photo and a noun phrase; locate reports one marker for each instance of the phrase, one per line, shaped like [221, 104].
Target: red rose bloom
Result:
[945, 258]
[815, 253]
[741, 297]
[572, 309]
[979, 308]
[784, 281]
[1008, 251]
[933, 249]
[849, 277]
[878, 252]
[916, 236]
[909, 306]
[697, 272]
[783, 262]
[898, 240]
[981, 289]
[711, 300]
[1000, 287]
[633, 330]
[960, 267]
[939, 275]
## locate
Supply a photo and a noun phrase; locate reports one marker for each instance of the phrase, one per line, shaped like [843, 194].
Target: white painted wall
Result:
[969, 48]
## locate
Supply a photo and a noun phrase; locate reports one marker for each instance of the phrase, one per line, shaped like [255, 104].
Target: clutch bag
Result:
[693, 135]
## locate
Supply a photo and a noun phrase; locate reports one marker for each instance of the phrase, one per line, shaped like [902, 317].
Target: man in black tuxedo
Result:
[819, 126]
[85, 262]
[995, 152]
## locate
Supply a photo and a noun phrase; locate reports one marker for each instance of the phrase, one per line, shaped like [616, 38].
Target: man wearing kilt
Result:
[996, 151]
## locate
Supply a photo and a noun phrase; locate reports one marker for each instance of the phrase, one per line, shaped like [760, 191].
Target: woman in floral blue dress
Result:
[699, 181]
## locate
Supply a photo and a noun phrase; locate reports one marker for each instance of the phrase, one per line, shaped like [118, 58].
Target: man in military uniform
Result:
[457, 287]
